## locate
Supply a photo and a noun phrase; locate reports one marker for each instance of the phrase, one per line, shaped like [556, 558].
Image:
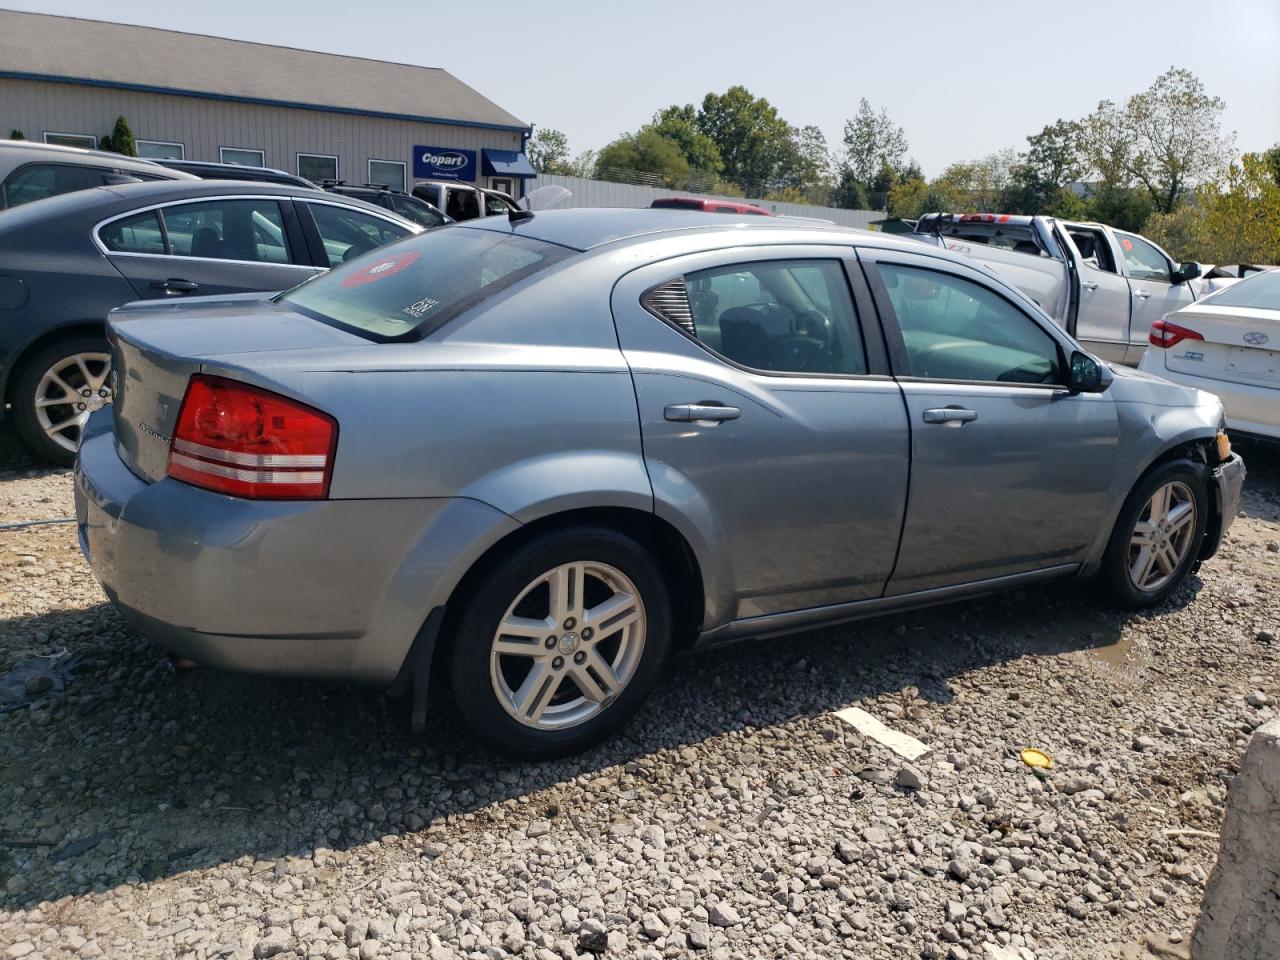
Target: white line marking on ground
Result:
[904, 745]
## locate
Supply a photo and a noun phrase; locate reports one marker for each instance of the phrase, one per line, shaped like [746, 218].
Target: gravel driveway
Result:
[148, 810]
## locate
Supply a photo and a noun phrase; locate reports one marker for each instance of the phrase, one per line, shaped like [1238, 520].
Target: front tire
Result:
[560, 642]
[1157, 536]
[56, 390]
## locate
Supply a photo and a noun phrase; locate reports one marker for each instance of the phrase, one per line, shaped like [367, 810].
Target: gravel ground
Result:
[152, 811]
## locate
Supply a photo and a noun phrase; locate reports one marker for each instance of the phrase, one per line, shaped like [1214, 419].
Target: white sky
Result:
[963, 77]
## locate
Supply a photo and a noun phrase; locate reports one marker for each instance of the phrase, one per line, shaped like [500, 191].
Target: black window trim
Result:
[873, 347]
[900, 361]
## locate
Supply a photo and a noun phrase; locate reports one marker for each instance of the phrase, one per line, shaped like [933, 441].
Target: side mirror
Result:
[1087, 374]
[1185, 272]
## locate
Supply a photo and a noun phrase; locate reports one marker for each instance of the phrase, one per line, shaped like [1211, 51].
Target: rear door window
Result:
[779, 316]
[418, 285]
[415, 210]
[246, 230]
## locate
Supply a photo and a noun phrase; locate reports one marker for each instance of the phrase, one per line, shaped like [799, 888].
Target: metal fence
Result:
[601, 193]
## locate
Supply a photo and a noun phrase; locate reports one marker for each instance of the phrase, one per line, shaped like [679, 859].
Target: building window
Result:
[388, 173]
[245, 158]
[317, 166]
[72, 140]
[160, 150]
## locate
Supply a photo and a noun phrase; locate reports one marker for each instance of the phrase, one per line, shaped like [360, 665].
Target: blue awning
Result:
[505, 163]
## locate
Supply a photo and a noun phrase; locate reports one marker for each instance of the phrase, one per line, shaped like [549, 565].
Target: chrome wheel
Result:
[568, 645]
[1162, 536]
[69, 391]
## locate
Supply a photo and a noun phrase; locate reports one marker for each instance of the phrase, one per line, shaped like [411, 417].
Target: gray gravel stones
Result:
[163, 812]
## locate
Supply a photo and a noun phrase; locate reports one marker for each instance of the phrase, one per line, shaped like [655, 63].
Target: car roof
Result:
[586, 228]
[30, 150]
[118, 198]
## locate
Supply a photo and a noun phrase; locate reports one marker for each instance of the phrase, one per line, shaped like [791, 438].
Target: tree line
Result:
[1158, 162]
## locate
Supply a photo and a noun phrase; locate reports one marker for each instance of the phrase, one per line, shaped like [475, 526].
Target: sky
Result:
[962, 77]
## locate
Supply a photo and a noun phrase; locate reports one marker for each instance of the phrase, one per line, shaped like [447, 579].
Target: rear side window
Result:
[140, 233]
[780, 316]
[249, 230]
[1261, 292]
[35, 181]
[419, 284]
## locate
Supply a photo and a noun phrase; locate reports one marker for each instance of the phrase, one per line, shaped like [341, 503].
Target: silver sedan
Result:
[532, 456]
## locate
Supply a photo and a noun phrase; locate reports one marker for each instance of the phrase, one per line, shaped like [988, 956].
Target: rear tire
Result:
[560, 642]
[60, 370]
[1157, 537]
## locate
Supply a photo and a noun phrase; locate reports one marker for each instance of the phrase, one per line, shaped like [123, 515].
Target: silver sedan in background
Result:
[533, 455]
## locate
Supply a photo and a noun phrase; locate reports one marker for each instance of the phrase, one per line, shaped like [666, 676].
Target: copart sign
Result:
[444, 163]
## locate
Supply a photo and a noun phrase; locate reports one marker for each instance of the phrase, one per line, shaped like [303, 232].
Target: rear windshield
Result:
[1261, 291]
[405, 290]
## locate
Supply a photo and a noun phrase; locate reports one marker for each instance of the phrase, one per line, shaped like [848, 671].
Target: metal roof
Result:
[39, 46]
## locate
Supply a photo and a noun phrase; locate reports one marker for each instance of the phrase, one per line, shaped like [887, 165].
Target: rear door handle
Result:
[690, 412]
[951, 416]
[1141, 294]
[174, 285]
[1089, 285]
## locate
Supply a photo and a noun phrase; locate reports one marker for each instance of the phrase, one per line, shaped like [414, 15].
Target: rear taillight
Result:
[238, 439]
[1165, 334]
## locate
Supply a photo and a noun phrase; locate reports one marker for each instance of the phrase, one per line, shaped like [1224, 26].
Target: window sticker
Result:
[1126, 243]
[416, 310]
[387, 267]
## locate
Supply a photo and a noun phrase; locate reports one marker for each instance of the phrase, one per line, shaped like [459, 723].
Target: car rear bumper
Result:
[326, 588]
[1251, 409]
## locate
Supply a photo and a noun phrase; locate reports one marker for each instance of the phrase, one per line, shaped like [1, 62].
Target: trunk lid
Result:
[156, 347]
[1241, 344]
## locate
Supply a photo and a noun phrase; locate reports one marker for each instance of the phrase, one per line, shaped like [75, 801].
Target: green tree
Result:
[1240, 214]
[850, 193]
[755, 143]
[908, 198]
[679, 124]
[548, 150]
[1164, 139]
[872, 141]
[583, 165]
[16, 134]
[120, 139]
[1270, 157]
[643, 157]
[1124, 207]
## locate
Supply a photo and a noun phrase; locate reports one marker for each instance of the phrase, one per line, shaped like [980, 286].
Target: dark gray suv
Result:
[34, 171]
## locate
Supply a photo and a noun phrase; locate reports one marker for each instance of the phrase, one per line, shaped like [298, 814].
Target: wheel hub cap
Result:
[68, 392]
[1162, 536]
[568, 645]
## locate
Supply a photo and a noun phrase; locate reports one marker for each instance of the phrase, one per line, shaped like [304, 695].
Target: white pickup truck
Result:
[1103, 286]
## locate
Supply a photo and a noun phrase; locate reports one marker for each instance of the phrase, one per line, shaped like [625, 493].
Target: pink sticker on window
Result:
[1126, 243]
[381, 270]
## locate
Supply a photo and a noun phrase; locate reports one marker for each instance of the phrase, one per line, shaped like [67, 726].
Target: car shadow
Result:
[143, 770]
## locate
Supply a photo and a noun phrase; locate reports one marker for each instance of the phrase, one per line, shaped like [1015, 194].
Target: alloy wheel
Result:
[1162, 536]
[568, 645]
[69, 391]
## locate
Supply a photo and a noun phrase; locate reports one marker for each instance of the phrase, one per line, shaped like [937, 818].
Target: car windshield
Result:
[408, 289]
[1261, 291]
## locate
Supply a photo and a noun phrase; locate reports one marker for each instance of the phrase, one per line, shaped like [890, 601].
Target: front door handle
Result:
[1089, 285]
[174, 285]
[1141, 294]
[950, 416]
[691, 412]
